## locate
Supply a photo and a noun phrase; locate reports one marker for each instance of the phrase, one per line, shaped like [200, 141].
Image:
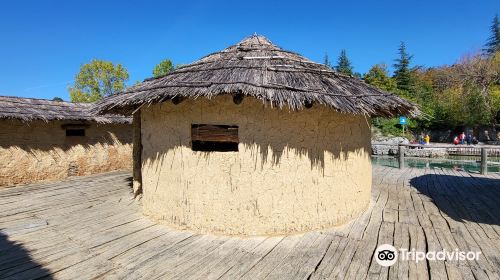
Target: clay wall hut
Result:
[253, 140]
[47, 140]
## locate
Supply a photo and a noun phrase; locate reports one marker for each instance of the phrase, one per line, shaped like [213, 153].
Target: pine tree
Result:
[326, 61]
[402, 72]
[493, 44]
[343, 64]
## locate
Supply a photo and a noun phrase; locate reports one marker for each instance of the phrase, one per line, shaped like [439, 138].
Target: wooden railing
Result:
[484, 153]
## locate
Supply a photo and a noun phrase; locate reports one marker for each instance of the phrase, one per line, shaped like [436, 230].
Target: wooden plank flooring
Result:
[90, 227]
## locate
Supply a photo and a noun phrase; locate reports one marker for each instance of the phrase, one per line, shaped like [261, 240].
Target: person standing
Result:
[469, 139]
[462, 138]
[427, 139]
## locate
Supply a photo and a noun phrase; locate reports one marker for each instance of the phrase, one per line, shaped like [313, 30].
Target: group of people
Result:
[424, 139]
[462, 139]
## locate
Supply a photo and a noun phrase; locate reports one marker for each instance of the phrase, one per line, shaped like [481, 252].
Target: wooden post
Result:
[137, 154]
[401, 151]
[484, 161]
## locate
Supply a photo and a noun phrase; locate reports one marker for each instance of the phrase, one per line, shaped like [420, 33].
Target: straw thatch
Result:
[29, 109]
[256, 67]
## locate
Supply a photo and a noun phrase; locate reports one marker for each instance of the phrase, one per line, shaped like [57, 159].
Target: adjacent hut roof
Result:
[29, 109]
[258, 68]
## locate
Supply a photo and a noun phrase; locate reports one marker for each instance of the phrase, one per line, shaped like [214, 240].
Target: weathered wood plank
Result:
[91, 227]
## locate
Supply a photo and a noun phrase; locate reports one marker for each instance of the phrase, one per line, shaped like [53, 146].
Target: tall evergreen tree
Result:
[326, 61]
[402, 72]
[493, 44]
[343, 64]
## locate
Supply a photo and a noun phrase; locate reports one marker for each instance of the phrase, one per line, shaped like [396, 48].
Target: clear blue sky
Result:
[43, 45]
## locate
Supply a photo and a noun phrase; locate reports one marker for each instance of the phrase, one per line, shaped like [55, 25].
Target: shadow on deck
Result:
[14, 258]
[474, 199]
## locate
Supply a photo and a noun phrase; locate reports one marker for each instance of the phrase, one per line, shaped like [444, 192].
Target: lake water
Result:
[465, 163]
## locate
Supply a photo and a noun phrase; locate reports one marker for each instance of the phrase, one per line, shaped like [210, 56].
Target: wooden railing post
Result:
[401, 151]
[484, 161]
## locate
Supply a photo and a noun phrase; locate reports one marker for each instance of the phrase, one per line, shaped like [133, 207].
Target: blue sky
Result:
[43, 45]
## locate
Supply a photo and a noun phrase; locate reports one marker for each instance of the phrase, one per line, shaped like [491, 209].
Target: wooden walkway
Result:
[89, 227]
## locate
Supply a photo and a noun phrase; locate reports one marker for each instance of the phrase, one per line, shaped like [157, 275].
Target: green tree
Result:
[97, 79]
[467, 93]
[378, 76]
[326, 61]
[402, 72]
[57, 99]
[344, 64]
[493, 44]
[163, 68]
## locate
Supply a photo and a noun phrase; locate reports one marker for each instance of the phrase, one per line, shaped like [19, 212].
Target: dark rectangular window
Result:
[214, 138]
[75, 132]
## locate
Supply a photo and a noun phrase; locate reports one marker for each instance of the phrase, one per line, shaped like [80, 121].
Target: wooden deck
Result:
[89, 227]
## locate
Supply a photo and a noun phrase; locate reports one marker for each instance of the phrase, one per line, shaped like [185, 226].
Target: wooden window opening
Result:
[75, 132]
[214, 138]
[75, 129]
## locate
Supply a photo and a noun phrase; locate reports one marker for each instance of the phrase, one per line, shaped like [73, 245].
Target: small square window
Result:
[214, 138]
[75, 132]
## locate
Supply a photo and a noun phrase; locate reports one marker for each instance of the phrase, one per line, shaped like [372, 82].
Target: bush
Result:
[391, 127]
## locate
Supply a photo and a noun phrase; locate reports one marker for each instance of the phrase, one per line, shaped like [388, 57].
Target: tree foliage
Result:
[96, 80]
[344, 64]
[492, 46]
[467, 92]
[402, 71]
[378, 76]
[57, 99]
[327, 62]
[163, 68]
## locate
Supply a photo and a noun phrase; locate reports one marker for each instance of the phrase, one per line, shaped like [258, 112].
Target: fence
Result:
[484, 152]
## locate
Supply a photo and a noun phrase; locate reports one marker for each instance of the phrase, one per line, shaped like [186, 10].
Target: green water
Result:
[465, 163]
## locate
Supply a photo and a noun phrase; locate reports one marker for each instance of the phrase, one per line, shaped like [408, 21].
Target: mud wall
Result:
[294, 171]
[36, 151]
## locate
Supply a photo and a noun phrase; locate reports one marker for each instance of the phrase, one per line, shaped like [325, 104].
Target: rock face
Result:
[434, 152]
[387, 145]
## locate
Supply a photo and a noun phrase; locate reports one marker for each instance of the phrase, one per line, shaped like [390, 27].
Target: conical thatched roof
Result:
[256, 67]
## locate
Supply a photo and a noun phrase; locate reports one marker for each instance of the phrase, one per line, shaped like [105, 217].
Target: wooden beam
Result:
[308, 104]
[401, 151]
[177, 100]
[215, 133]
[484, 161]
[137, 154]
[238, 98]
[75, 126]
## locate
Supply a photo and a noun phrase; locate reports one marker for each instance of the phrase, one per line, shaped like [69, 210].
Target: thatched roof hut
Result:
[258, 68]
[30, 109]
[253, 139]
[47, 140]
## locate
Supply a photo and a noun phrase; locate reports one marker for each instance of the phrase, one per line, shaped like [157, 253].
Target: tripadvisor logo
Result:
[387, 255]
